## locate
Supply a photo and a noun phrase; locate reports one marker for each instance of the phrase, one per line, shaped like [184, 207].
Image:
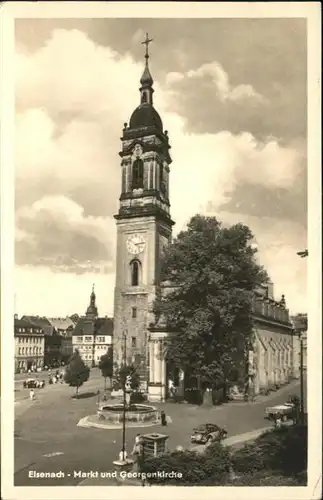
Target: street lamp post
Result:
[302, 254]
[123, 460]
[124, 399]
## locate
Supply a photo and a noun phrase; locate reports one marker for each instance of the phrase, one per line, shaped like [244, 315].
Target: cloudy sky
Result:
[231, 93]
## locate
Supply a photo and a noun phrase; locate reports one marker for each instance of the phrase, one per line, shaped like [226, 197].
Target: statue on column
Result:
[128, 388]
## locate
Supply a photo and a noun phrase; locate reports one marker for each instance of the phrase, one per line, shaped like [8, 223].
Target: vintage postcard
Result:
[160, 250]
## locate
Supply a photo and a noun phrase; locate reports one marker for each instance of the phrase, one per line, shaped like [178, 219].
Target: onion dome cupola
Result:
[145, 114]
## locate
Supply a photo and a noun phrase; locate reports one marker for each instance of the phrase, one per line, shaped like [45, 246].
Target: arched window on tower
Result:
[143, 98]
[135, 272]
[137, 174]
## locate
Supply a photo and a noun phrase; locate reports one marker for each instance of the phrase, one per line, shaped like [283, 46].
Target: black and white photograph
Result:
[162, 325]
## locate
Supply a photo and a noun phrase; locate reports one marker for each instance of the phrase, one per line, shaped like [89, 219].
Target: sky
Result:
[232, 95]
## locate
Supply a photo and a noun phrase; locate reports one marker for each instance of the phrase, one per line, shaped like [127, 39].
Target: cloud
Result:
[77, 160]
[209, 103]
[73, 97]
[278, 240]
[219, 78]
[54, 232]
[269, 181]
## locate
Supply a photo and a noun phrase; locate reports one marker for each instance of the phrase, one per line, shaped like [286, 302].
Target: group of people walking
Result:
[57, 377]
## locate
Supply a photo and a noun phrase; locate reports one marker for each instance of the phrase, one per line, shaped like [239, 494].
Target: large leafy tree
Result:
[76, 372]
[207, 310]
[106, 366]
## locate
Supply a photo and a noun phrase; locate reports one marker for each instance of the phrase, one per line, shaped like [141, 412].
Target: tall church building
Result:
[144, 227]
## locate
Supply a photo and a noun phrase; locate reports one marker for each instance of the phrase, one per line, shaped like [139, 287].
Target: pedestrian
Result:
[32, 394]
[278, 421]
[163, 418]
[137, 444]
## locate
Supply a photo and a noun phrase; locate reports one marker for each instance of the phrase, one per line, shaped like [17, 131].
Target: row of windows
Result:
[88, 357]
[30, 350]
[90, 339]
[31, 330]
[88, 347]
[32, 340]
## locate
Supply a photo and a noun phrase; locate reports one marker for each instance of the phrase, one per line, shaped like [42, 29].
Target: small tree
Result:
[106, 366]
[76, 372]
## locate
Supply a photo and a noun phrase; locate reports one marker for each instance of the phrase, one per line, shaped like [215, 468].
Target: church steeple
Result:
[146, 89]
[145, 156]
[92, 310]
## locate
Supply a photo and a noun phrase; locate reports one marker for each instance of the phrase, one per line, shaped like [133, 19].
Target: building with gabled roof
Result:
[29, 345]
[92, 335]
[40, 321]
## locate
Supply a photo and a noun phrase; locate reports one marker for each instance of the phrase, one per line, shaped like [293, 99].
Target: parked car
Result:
[285, 411]
[32, 383]
[208, 433]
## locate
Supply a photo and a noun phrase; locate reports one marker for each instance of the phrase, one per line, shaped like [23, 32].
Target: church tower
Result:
[144, 227]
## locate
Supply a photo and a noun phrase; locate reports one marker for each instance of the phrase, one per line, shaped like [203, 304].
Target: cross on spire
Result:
[147, 42]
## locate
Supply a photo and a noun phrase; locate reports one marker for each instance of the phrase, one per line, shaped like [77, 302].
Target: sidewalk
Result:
[260, 399]
[231, 441]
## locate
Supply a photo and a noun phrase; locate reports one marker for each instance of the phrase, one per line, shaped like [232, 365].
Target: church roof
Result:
[145, 115]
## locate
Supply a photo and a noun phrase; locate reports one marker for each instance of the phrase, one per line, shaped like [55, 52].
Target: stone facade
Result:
[144, 228]
[274, 342]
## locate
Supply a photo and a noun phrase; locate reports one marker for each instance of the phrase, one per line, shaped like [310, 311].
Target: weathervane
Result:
[147, 42]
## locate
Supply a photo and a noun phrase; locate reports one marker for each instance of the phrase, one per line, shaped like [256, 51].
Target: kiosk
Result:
[154, 445]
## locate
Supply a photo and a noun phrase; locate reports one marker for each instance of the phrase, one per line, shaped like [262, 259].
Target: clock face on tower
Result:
[136, 244]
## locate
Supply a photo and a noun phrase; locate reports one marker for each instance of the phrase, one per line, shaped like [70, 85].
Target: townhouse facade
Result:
[29, 346]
